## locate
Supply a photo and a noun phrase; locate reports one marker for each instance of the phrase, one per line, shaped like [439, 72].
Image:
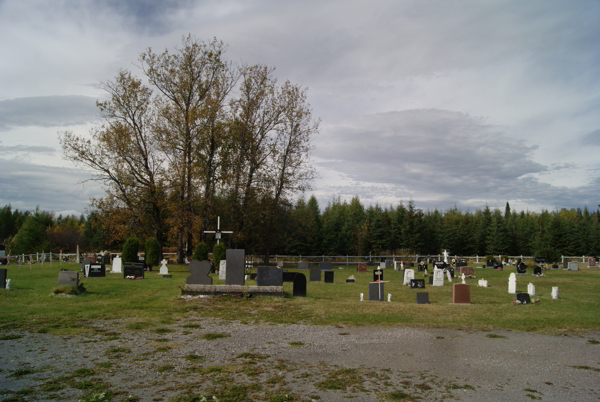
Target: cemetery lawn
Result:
[155, 301]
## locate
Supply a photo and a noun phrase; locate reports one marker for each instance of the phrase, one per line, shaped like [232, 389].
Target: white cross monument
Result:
[218, 231]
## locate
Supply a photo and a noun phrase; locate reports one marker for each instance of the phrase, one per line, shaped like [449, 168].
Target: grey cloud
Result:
[592, 138]
[7, 150]
[25, 186]
[47, 111]
[441, 158]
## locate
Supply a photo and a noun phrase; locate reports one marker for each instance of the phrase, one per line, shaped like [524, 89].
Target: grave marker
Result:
[68, 278]
[573, 266]
[389, 263]
[537, 270]
[461, 293]
[468, 271]
[438, 277]
[555, 292]
[376, 291]
[96, 271]
[351, 278]
[409, 274]
[269, 276]
[315, 275]
[298, 283]
[422, 298]
[3, 277]
[512, 283]
[325, 266]
[235, 267]
[361, 267]
[223, 269]
[592, 262]
[199, 271]
[377, 275]
[483, 283]
[417, 283]
[521, 268]
[133, 269]
[117, 265]
[303, 265]
[328, 276]
[164, 270]
[523, 298]
[531, 289]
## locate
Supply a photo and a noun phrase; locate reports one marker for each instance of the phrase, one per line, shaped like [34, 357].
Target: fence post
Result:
[346, 260]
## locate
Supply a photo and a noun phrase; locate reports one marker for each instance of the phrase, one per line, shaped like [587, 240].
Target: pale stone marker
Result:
[116, 265]
[449, 276]
[223, 269]
[512, 283]
[408, 275]
[555, 292]
[531, 289]
[163, 268]
[483, 283]
[438, 277]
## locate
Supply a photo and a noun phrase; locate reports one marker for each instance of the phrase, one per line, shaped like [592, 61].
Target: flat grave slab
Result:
[214, 290]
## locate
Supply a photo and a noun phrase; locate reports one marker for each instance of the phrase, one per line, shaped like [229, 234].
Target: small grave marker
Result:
[328, 276]
[537, 270]
[164, 270]
[133, 270]
[483, 283]
[351, 278]
[592, 262]
[468, 271]
[315, 275]
[377, 275]
[523, 298]
[199, 271]
[67, 277]
[417, 283]
[96, 271]
[573, 266]
[376, 291]
[422, 298]
[555, 292]
[531, 289]
[223, 269]
[361, 267]
[303, 265]
[299, 283]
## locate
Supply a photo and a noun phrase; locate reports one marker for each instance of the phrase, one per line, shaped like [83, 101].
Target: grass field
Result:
[155, 301]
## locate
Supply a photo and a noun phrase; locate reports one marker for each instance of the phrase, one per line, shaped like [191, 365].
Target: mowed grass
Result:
[155, 302]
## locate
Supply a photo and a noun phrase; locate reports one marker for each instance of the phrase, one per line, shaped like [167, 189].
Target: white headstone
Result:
[222, 269]
[389, 297]
[446, 256]
[449, 276]
[438, 277]
[402, 265]
[483, 283]
[164, 270]
[362, 297]
[382, 265]
[116, 264]
[462, 276]
[395, 265]
[408, 275]
[9, 284]
[531, 289]
[512, 283]
[555, 292]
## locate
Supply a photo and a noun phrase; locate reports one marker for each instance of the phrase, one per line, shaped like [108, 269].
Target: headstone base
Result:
[215, 290]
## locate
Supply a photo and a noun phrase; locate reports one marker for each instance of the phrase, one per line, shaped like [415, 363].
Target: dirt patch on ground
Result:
[199, 359]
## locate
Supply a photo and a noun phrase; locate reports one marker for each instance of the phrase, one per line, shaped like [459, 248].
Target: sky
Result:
[446, 103]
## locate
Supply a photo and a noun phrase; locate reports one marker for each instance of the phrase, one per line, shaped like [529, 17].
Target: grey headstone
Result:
[325, 266]
[199, 271]
[328, 276]
[3, 277]
[235, 267]
[269, 276]
[315, 275]
[303, 265]
[422, 298]
[376, 291]
[573, 266]
[389, 263]
[69, 278]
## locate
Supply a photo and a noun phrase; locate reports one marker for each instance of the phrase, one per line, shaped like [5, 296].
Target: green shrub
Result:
[218, 254]
[130, 250]
[151, 252]
[201, 252]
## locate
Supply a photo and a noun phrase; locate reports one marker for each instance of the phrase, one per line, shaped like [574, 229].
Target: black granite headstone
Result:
[96, 271]
[430, 279]
[537, 270]
[523, 297]
[490, 263]
[417, 283]
[376, 291]
[328, 276]
[422, 298]
[298, 283]
[235, 267]
[377, 275]
[325, 266]
[440, 265]
[199, 271]
[3, 276]
[315, 274]
[133, 269]
[269, 276]
[521, 268]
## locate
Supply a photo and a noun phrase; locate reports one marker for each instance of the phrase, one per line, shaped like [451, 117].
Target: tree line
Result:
[343, 228]
[194, 138]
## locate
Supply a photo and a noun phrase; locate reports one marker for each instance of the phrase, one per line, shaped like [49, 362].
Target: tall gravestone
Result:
[235, 267]
[298, 283]
[315, 274]
[223, 269]
[3, 277]
[269, 276]
[461, 293]
[438, 277]
[512, 283]
[531, 289]
[328, 276]
[408, 275]
[116, 265]
[325, 266]
[199, 271]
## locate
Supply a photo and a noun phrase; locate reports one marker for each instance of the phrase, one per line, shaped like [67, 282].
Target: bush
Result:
[201, 252]
[218, 254]
[151, 252]
[130, 250]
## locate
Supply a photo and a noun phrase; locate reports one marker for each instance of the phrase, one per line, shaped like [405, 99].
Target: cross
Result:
[218, 231]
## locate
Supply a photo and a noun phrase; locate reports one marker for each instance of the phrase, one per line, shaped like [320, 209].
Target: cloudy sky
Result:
[448, 103]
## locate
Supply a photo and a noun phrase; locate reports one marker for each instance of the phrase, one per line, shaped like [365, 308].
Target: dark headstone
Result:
[269, 276]
[315, 274]
[199, 271]
[537, 270]
[451, 270]
[235, 267]
[96, 271]
[462, 262]
[69, 278]
[461, 293]
[440, 265]
[377, 275]
[523, 297]
[328, 276]
[417, 283]
[361, 267]
[376, 291]
[540, 260]
[325, 266]
[106, 259]
[422, 298]
[422, 266]
[490, 263]
[253, 276]
[566, 263]
[303, 265]
[84, 263]
[430, 279]
[167, 276]
[298, 283]
[592, 262]
[133, 269]
[554, 266]
[521, 268]
[3, 276]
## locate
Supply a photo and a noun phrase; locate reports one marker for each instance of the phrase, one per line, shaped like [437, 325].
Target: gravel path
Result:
[298, 363]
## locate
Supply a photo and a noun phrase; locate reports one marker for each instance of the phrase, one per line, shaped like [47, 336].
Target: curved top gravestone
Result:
[199, 271]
